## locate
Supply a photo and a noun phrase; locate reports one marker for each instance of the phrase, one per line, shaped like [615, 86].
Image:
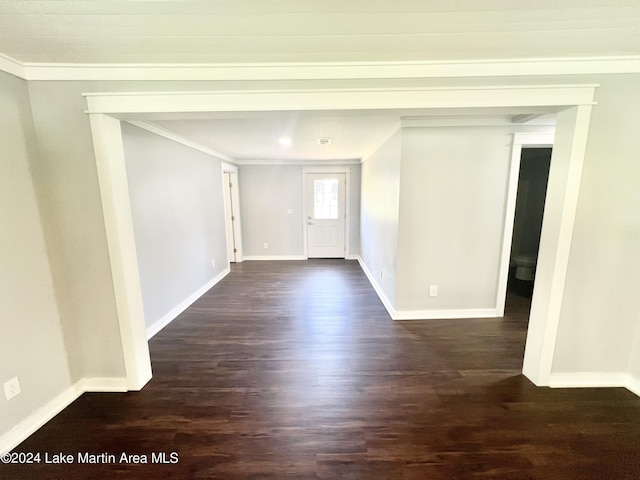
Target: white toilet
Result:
[525, 266]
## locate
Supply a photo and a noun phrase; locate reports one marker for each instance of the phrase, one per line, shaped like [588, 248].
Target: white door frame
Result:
[557, 228]
[347, 193]
[236, 224]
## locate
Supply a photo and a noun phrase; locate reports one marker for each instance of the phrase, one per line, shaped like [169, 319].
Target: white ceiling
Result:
[255, 31]
[254, 136]
[181, 31]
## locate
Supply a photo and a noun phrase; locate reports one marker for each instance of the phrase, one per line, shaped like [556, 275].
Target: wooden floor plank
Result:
[295, 370]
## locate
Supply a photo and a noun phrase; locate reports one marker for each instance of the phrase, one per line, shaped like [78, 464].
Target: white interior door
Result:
[326, 215]
[229, 218]
[232, 215]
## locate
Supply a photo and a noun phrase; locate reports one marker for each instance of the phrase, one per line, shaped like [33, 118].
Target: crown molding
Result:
[12, 66]
[168, 134]
[320, 71]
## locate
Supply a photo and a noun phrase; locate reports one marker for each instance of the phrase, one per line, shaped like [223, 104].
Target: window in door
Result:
[325, 199]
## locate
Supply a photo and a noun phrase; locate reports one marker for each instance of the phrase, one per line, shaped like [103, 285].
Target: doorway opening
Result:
[527, 225]
[573, 101]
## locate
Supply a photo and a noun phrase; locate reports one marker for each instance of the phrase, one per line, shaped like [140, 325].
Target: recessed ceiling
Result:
[255, 136]
[146, 31]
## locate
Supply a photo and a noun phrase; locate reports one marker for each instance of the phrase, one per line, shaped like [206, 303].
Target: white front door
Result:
[326, 215]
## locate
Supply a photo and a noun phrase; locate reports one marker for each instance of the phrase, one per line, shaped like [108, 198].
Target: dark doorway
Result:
[530, 200]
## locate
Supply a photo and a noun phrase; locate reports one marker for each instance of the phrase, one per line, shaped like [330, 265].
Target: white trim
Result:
[377, 288]
[57, 404]
[116, 208]
[327, 70]
[236, 223]
[520, 140]
[168, 134]
[228, 167]
[423, 314]
[588, 380]
[352, 257]
[445, 314]
[102, 384]
[534, 139]
[274, 257]
[37, 419]
[237, 213]
[525, 118]
[347, 205]
[474, 121]
[166, 319]
[12, 66]
[507, 231]
[341, 99]
[295, 163]
[633, 384]
[595, 380]
[555, 242]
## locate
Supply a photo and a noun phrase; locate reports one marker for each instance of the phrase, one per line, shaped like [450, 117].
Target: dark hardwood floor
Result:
[294, 370]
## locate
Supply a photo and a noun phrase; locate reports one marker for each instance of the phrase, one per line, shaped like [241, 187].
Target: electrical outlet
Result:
[11, 388]
[290, 211]
[266, 245]
[213, 263]
[433, 290]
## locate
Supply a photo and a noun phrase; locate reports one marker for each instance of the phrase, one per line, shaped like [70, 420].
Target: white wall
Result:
[31, 338]
[178, 219]
[75, 231]
[267, 192]
[633, 368]
[601, 306]
[379, 208]
[452, 201]
[353, 216]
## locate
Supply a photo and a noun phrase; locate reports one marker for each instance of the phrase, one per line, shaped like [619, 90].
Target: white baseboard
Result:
[588, 380]
[37, 419]
[378, 289]
[53, 407]
[111, 384]
[423, 314]
[633, 384]
[445, 314]
[170, 316]
[274, 257]
[288, 257]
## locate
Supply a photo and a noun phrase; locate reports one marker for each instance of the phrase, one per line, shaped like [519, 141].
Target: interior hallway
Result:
[294, 369]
